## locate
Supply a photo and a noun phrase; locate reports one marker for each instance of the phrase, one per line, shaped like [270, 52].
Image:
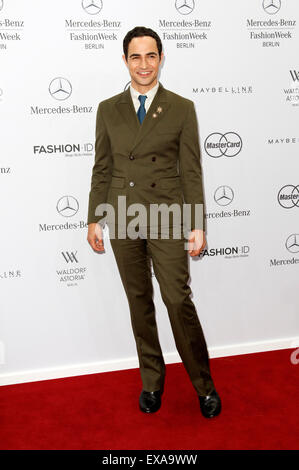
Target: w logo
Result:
[294, 75]
[70, 257]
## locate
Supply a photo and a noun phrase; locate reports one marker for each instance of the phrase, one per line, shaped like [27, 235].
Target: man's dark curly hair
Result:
[138, 32]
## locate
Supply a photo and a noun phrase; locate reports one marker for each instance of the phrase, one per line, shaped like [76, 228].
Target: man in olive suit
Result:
[147, 154]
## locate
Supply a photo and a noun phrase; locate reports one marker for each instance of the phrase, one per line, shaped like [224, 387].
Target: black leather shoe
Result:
[210, 405]
[149, 402]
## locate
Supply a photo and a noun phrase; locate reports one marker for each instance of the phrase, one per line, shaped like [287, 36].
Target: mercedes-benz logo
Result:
[292, 243]
[60, 88]
[288, 196]
[224, 195]
[67, 206]
[92, 7]
[185, 7]
[271, 6]
[1, 4]
[228, 144]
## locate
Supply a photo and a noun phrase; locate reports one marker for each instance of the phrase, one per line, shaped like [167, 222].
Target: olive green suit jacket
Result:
[157, 161]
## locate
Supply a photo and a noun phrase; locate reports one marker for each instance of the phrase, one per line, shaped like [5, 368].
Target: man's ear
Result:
[124, 59]
[161, 57]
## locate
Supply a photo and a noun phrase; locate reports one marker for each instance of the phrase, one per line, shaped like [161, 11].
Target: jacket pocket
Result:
[169, 130]
[117, 182]
[170, 182]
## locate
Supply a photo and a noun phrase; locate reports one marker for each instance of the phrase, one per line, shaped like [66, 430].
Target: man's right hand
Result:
[95, 237]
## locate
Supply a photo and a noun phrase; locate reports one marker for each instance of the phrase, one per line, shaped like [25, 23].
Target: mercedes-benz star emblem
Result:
[288, 196]
[60, 88]
[185, 7]
[271, 6]
[92, 7]
[224, 195]
[67, 206]
[292, 243]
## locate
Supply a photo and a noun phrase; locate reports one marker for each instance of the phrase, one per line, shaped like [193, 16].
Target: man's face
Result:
[143, 62]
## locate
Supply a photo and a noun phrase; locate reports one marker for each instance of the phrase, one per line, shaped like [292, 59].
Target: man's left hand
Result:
[197, 242]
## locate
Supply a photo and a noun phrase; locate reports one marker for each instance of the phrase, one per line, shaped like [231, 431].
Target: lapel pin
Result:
[159, 109]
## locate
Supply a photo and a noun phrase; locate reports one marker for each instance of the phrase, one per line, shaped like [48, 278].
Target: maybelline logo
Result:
[269, 31]
[288, 196]
[5, 170]
[68, 150]
[185, 32]
[94, 32]
[10, 29]
[60, 89]
[66, 207]
[283, 140]
[227, 252]
[231, 90]
[10, 274]
[73, 273]
[218, 145]
[292, 246]
[223, 196]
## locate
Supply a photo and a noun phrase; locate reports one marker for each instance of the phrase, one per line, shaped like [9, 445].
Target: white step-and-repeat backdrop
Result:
[63, 308]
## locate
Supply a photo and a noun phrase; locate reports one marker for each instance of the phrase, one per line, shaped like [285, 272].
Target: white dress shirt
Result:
[150, 96]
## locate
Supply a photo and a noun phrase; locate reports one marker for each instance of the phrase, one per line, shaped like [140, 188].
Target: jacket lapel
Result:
[126, 108]
[154, 114]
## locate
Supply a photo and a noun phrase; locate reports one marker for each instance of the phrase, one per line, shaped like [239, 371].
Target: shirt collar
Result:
[150, 94]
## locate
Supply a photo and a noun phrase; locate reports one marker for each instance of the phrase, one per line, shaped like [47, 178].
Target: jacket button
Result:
[131, 157]
[132, 183]
[153, 185]
[153, 159]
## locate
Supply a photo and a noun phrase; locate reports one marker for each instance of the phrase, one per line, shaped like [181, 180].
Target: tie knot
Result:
[142, 99]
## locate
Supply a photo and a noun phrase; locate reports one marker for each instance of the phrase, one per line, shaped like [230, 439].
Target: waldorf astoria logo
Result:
[288, 196]
[64, 150]
[11, 29]
[60, 89]
[184, 30]
[70, 272]
[218, 145]
[94, 33]
[291, 93]
[271, 29]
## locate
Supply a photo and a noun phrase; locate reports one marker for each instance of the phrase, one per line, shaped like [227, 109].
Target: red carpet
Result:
[259, 395]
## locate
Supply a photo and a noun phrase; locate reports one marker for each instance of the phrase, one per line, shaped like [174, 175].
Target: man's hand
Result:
[197, 242]
[95, 237]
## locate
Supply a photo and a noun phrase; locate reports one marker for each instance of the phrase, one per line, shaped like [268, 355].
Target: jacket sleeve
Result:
[191, 170]
[101, 172]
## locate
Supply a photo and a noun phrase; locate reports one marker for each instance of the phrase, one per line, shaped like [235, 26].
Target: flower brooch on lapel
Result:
[158, 110]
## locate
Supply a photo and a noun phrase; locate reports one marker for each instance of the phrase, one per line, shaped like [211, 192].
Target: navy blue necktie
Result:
[141, 111]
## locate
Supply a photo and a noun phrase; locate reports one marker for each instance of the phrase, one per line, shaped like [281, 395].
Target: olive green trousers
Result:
[170, 265]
